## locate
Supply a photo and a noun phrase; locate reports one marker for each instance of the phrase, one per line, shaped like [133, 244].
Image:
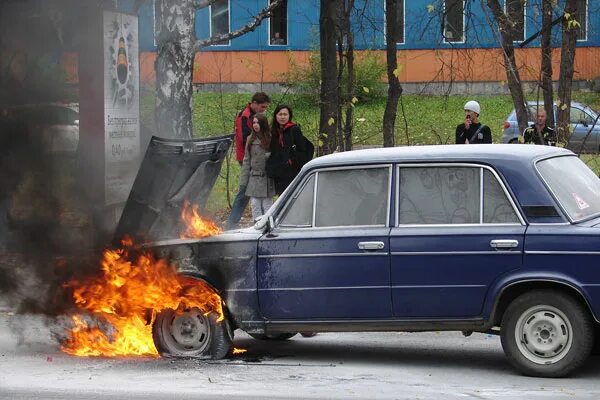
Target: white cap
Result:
[472, 105]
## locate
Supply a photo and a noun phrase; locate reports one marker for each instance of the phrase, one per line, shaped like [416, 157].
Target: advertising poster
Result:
[121, 105]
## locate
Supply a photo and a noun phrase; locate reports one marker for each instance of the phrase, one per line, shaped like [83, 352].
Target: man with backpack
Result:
[243, 128]
[471, 131]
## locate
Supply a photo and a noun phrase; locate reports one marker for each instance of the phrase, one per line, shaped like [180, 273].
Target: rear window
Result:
[574, 185]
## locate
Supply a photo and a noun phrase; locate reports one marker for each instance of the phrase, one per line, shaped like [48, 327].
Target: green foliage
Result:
[369, 71]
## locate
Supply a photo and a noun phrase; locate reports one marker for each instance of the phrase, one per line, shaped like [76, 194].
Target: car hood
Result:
[172, 172]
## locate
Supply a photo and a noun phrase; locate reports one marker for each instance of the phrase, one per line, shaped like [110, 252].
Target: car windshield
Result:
[574, 185]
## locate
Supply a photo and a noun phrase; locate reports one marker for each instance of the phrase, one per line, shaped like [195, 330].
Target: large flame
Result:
[195, 226]
[119, 306]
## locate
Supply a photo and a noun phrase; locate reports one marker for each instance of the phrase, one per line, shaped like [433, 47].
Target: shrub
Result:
[368, 68]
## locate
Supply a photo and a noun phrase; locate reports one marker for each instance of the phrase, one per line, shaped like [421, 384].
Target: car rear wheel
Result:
[546, 333]
[270, 336]
[190, 333]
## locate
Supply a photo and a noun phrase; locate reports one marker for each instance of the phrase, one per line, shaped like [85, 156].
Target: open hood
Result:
[172, 171]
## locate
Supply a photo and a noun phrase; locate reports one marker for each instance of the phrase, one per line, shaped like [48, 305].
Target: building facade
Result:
[441, 41]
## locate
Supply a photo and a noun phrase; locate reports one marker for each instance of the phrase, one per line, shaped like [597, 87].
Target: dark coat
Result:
[284, 145]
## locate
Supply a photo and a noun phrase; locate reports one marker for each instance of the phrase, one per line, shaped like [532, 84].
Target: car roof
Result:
[453, 153]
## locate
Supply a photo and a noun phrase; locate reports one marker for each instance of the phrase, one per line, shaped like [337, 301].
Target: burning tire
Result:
[546, 333]
[277, 336]
[190, 333]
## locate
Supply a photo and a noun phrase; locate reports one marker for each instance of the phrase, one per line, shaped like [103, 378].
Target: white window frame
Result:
[464, 33]
[210, 25]
[403, 23]
[524, 20]
[587, 17]
[287, 28]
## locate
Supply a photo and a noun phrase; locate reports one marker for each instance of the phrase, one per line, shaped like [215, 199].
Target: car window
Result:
[574, 185]
[439, 195]
[497, 209]
[300, 209]
[580, 117]
[352, 197]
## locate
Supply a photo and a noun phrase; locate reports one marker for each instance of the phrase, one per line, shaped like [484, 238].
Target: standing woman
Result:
[259, 187]
[286, 142]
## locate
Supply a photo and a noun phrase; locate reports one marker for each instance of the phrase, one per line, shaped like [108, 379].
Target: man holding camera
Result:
[471, 131]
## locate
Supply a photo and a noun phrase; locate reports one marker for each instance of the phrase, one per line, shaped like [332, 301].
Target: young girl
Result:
[259, 187]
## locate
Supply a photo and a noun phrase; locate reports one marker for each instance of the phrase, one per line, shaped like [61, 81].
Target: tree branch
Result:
[538, 33]
[249, 27]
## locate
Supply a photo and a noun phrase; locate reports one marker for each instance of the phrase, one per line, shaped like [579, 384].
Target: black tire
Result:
[276, 337]
[596, 346]
[513, 141]
[190, 333]
[546, 333]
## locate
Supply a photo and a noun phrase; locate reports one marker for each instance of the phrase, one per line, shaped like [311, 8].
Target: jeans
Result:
[237, 209]
[260, 205]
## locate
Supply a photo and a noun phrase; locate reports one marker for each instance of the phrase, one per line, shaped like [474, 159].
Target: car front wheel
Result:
[546, 333]
[190, 333]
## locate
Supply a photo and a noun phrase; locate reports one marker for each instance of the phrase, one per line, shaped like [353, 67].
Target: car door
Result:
[457, 230]
[584, 136]
[328, 255]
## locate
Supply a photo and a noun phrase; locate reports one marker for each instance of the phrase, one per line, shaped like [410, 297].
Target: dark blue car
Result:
[489, 238]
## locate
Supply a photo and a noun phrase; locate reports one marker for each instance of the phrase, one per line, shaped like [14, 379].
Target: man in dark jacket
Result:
[540, 133]
[243, 128]
[471, 130]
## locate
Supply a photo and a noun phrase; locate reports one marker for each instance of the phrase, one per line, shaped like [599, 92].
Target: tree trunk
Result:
[546, 68]
[567, 68]
[512, 74]
[329, 99]
[174, 66]
[394, 87]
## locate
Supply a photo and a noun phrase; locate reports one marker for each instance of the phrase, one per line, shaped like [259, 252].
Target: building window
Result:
[454, 22]
[581, 17]
[515, 11]
[219, 19]
[278, 25]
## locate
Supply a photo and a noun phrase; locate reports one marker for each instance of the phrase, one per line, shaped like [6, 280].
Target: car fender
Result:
[542, 278]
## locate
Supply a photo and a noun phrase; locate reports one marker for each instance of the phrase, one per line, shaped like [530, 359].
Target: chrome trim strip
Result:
[591, 253]
[241, 290]
[455, 225]
[550, 223]
[453, 253]
[481, 195]
[323, 255]
[436, 286]
[322, 288]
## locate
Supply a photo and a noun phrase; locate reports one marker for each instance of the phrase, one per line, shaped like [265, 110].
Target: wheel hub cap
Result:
[544, 334]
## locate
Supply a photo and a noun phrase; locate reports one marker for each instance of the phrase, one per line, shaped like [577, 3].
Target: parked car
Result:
[492, 238]
[582, 120]
[57, 124]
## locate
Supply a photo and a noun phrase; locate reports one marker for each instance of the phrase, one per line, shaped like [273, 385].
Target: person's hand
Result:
[467, 122]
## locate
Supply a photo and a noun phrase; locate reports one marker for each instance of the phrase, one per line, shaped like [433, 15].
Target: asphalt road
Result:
[352, 365]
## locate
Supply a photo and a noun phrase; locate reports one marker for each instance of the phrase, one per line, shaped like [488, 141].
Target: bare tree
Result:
[177, 47]
[506, 31]
[546, 67]
[567, 68]
[329, 95]
[394, 86]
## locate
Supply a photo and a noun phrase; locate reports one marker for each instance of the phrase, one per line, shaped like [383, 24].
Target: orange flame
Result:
[195, 226]
[121, 304]
[239, 351]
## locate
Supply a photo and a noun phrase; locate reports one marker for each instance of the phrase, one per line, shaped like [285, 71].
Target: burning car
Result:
[494, 238]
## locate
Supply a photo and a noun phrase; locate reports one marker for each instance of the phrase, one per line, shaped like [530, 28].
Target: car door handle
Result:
[371, 245]
[504, 244]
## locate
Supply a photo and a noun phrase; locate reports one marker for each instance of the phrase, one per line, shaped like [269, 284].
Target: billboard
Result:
[121, 105]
